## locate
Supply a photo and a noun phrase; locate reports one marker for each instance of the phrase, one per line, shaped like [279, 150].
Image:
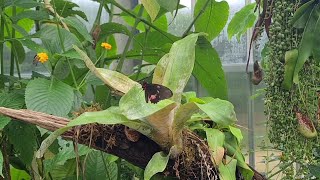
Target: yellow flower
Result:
[106, 45]
[42, 57]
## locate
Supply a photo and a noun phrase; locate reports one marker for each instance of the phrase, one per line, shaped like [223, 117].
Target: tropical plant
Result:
[77, 62]
[290, 60]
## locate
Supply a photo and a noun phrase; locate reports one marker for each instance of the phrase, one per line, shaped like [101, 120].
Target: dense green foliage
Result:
[77, 67]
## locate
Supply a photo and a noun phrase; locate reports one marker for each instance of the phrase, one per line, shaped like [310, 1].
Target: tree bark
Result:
[108, 138]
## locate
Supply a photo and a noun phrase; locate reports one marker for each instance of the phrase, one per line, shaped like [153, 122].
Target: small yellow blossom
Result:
[42, 57]
[106, 45]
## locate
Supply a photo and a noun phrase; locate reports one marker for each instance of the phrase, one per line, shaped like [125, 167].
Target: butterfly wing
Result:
[156, 92]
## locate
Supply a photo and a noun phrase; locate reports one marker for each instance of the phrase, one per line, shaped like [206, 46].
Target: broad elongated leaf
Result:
[208, 70]
[237, 133]
[215, 140]
[233, 150]
[219, 111]
[157, 164]
[213, 19]
[79, 26]
[97, 167]
[110, 116]
[111, 78]
[307, 42]
[290, 63]
[174, 69]
[49, 96]
[228, 171]
[152, 7]
[183, 114]
[301, 16]
[242, 21]
[19, 174]
[134, 106]
[23, 136]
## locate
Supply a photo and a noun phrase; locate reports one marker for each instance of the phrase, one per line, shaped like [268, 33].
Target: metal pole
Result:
[251, 123]
[250, 102]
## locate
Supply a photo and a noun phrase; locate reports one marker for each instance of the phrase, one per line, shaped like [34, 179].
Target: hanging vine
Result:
[292, 78]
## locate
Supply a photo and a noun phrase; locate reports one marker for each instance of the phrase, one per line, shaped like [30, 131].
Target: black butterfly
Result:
[155, 92]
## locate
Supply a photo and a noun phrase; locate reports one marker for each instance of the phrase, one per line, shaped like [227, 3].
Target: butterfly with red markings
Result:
[156, 92]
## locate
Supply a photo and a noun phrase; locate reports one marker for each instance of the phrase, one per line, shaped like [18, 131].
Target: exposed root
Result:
[195, 161]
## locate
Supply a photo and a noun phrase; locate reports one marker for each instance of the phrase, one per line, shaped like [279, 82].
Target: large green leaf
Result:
[134, 106]
[168, 5]
[26, 24]
[114, 79]
[233, 150]
[160, 22]
[109, 116]
[31, 14]
[10, 100]
[98, 167]
[242, 21]
[23, 136]
[153, 42]
[174, 69]
[32, 45]
[152, 7]
[307, 41]
[19, 174]
[67, 8]
[157, 164]
[228, 171]
[50, 37]
[208, 70]
[219, 111]
[215, 140]
[49, 96]
[22, 3]
[301, 16]
[79, 26]
[213, 19]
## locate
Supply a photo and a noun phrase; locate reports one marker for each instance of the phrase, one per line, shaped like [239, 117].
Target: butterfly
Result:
[156, 92]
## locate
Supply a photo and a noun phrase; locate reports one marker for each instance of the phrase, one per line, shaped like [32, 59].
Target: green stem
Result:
[126, 48]
[142, 54]
[12, 47]
[280, 170]
[196, 18]
[64, 50]
[140, 19]
[1, 44]
[98, 17]
[87, 73]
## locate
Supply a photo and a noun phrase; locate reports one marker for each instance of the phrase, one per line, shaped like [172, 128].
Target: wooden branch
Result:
[112, 139]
